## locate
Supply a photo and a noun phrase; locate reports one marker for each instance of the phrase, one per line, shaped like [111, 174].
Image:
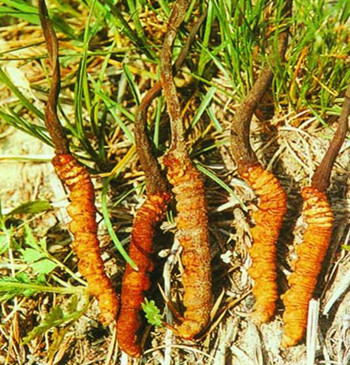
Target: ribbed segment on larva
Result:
[192, 226]
[84, 229]
[136, 282]
[268, 219]
[318, 216]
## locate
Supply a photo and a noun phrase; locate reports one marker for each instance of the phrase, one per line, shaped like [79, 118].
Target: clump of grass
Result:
[30, 271]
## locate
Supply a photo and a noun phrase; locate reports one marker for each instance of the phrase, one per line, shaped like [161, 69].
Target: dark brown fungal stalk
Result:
[135, 283]
[272, 199]
[52, 122]
[240, 126]
[318, 216]
[82, 208]
[192, 219]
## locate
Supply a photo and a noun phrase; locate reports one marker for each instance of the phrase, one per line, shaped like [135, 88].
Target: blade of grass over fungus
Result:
[221, 183]
[157, 122]
[109, 225]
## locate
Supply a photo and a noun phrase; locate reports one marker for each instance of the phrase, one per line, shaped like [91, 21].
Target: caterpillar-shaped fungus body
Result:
[192, 226]
[268, 219]
[84, 229]
[136, 282]
[302, 282]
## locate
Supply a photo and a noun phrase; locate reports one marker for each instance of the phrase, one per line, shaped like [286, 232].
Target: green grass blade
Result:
[214, 120]
[16, 121]
[23, 10]
[109, 225]
[136, 19]
[125, 28]
[207, 31]
[203, 105]
[133, 87]
[157, 122]
[113, 104]
[221, 183]
[28, 104]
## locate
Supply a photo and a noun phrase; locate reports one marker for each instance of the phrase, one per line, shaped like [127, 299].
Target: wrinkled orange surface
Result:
[192, 225]
[136, 282]
[268, 219]
[318, 216]
[84, 229]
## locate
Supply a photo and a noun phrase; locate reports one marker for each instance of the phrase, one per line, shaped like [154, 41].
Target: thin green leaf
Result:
[222, 184]
[207, 31]
[125, 28]
[16, 121]
[204, 104]
[136, 19]
[214, 120]
[111, 103]
[110, 228]
[28, 104]
[32, 207]
[134, 89]
[23, 10]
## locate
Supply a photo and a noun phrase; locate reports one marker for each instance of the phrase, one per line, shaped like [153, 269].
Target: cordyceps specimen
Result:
[272, 205]
[318, 216]
[147, 217]
[192, 219]
[82, 208]
[151, 212]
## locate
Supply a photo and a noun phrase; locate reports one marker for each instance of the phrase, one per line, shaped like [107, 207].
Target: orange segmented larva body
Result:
[192, 226]
[136, 282]
[84, 229]
[318, 216]
[268, 219]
